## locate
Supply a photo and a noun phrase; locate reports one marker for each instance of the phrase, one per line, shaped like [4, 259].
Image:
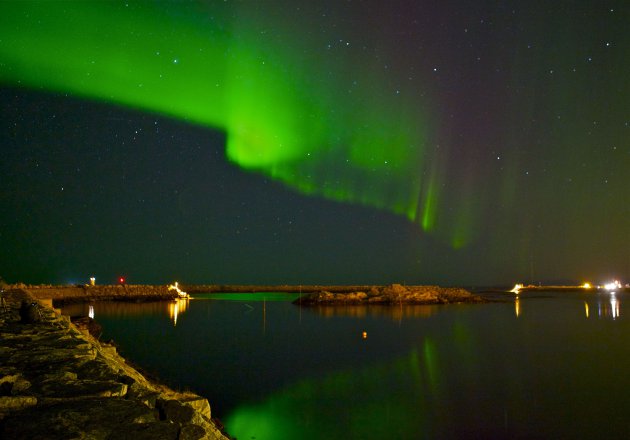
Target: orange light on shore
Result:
[586, 286]
[179, 291]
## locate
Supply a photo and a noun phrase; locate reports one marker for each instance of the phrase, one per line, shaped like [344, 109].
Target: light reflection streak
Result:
[586, 308]
[177, 307]
[607, 308]
[112, 309]
[614, 306]
[363, 311]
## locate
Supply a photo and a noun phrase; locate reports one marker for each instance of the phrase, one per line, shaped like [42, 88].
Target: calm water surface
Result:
[549, 365]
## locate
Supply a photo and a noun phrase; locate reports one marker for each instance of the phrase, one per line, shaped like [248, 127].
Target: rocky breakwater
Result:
[392, 295]
[59, 382]
[120, 292]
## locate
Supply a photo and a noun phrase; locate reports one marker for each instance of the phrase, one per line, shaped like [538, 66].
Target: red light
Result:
[121, 280]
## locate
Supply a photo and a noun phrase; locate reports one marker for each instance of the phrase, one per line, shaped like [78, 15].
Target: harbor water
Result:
[534, 365]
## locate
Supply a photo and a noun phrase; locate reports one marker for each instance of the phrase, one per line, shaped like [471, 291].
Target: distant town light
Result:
[516, 288]
[612, 285]
[92, 281]
[587, 286]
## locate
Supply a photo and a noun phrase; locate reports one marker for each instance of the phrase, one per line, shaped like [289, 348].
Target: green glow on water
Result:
[329, 407]
[431, 362]
[252, 297]
[298, 120]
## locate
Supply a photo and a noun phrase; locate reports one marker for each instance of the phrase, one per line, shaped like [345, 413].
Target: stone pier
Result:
[57, 381]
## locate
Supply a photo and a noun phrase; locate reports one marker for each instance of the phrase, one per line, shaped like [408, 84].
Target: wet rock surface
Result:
[57, 381]
[393, 294]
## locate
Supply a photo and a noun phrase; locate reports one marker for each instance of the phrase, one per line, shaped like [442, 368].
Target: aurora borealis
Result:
[359, 141]
[277, 118]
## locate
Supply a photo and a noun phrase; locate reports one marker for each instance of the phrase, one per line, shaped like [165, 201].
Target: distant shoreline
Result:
[346, 293]
[320, 294]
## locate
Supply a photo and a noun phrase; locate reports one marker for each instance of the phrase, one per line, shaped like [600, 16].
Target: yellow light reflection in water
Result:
[177, 307]
[586, 308]
[517, 307]
[363, 311]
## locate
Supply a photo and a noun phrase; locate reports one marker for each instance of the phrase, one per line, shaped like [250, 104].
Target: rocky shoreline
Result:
[392, 295]
[57, 381]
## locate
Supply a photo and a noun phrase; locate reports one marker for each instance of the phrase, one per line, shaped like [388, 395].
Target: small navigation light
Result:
[92, 281]
[364, 335]
[121, 280]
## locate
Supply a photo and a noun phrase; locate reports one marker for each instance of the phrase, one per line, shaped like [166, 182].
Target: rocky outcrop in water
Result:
[393, 294]
[59, 382]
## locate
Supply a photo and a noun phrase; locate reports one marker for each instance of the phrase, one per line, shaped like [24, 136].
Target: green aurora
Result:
[334, 127]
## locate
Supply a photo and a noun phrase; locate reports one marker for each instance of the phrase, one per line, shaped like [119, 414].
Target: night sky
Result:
[422, 142]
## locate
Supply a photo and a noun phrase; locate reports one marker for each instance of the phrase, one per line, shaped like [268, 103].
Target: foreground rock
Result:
[59, 382]
[394, 294]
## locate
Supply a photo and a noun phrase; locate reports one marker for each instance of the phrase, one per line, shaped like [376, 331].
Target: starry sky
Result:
[422, 142]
